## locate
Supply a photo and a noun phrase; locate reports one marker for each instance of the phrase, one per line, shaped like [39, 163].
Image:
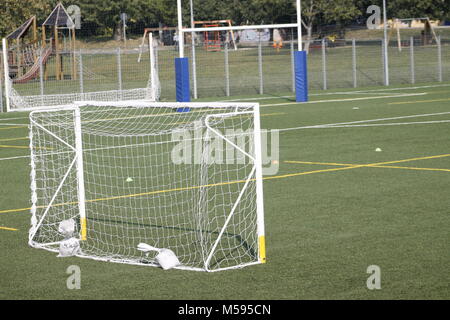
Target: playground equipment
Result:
[427, 35]
[58, 21]
[23, 49]
[213, 39]
[27, 54]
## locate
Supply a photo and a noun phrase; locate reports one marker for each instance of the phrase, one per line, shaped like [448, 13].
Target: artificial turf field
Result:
[335, 207]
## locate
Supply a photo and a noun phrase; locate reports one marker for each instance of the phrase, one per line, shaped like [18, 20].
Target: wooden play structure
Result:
[23, 44]
[212, 40]
[58, 23]
[428, 33]
[27, 54]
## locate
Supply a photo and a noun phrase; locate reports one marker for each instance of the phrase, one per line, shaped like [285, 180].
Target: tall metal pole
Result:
[180, 30]
[386, 45]
[299, 25]
[194, 63]
[6, 74]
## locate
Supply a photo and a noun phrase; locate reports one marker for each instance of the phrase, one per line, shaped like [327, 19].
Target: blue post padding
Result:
[182, 79]
[301, 76]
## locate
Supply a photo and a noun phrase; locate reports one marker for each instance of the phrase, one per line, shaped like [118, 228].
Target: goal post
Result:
[135, 172]
[181, 63]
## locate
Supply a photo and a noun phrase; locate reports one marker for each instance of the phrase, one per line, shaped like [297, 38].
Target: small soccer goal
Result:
[180, 177]
[97, 75]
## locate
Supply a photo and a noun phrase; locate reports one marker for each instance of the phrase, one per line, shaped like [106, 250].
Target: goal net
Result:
[113, 82]
[140, 172]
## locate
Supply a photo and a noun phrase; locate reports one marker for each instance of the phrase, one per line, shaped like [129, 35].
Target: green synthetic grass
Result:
[323, 229]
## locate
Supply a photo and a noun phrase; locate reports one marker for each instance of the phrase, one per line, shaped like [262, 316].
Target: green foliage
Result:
[101, 17]
[13, 13]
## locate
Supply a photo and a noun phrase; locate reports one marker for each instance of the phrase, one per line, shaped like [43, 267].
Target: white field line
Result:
[6, 119]
[346, 100]
[13, 124]
[14, 158]
[336, 125]
[361, 123]
[331, 125]
[382, 124]
[344, 92]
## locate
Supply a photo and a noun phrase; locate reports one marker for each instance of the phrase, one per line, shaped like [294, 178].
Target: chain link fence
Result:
[244, 69]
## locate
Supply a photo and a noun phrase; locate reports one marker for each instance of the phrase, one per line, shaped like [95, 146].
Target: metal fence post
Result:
[194, 67]
[41, 75]
[227, 71]
[383, 62]
[260, 66]
[80, 61]
[1, 85]
[439, 48]
[292, 65]
[355, 80]
[324, 65]
[119, 70]
[411, 60]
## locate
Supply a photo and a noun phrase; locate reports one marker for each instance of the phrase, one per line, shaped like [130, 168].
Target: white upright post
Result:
[194, 64]
[227, 71]
[299, 25]
[411, 60]
[1, 93]
[355, 78]
[6, 73]
[259, 187]
[180, 30]
[260, 67]
[324, 65]
[292, 63]
[80, 71]
[119, 71]
[439, 48]
[386, 45]
[80, 172]
[153, 87]
[41, 74]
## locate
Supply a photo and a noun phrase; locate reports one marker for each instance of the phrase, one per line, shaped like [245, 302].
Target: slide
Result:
[34, 71]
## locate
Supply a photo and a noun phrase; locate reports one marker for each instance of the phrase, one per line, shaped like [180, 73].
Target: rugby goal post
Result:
[139, 172]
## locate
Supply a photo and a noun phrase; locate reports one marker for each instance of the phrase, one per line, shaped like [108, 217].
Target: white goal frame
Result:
[77, 164]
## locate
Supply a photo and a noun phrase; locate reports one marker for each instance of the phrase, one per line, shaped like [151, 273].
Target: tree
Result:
[337, 11]
[13, 13]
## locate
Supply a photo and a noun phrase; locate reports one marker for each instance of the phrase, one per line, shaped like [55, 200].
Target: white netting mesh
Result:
[178, 180]
[97, 87]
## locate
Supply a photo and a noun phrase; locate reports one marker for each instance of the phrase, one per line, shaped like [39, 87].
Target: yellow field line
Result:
[420, 101]
[9, 229]
[15, 210]
[22, 147]
[14, 139]
[13, 127]
[237, 181]
[16, 147]
[372, 166]
[322, 163]
[414, 168]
